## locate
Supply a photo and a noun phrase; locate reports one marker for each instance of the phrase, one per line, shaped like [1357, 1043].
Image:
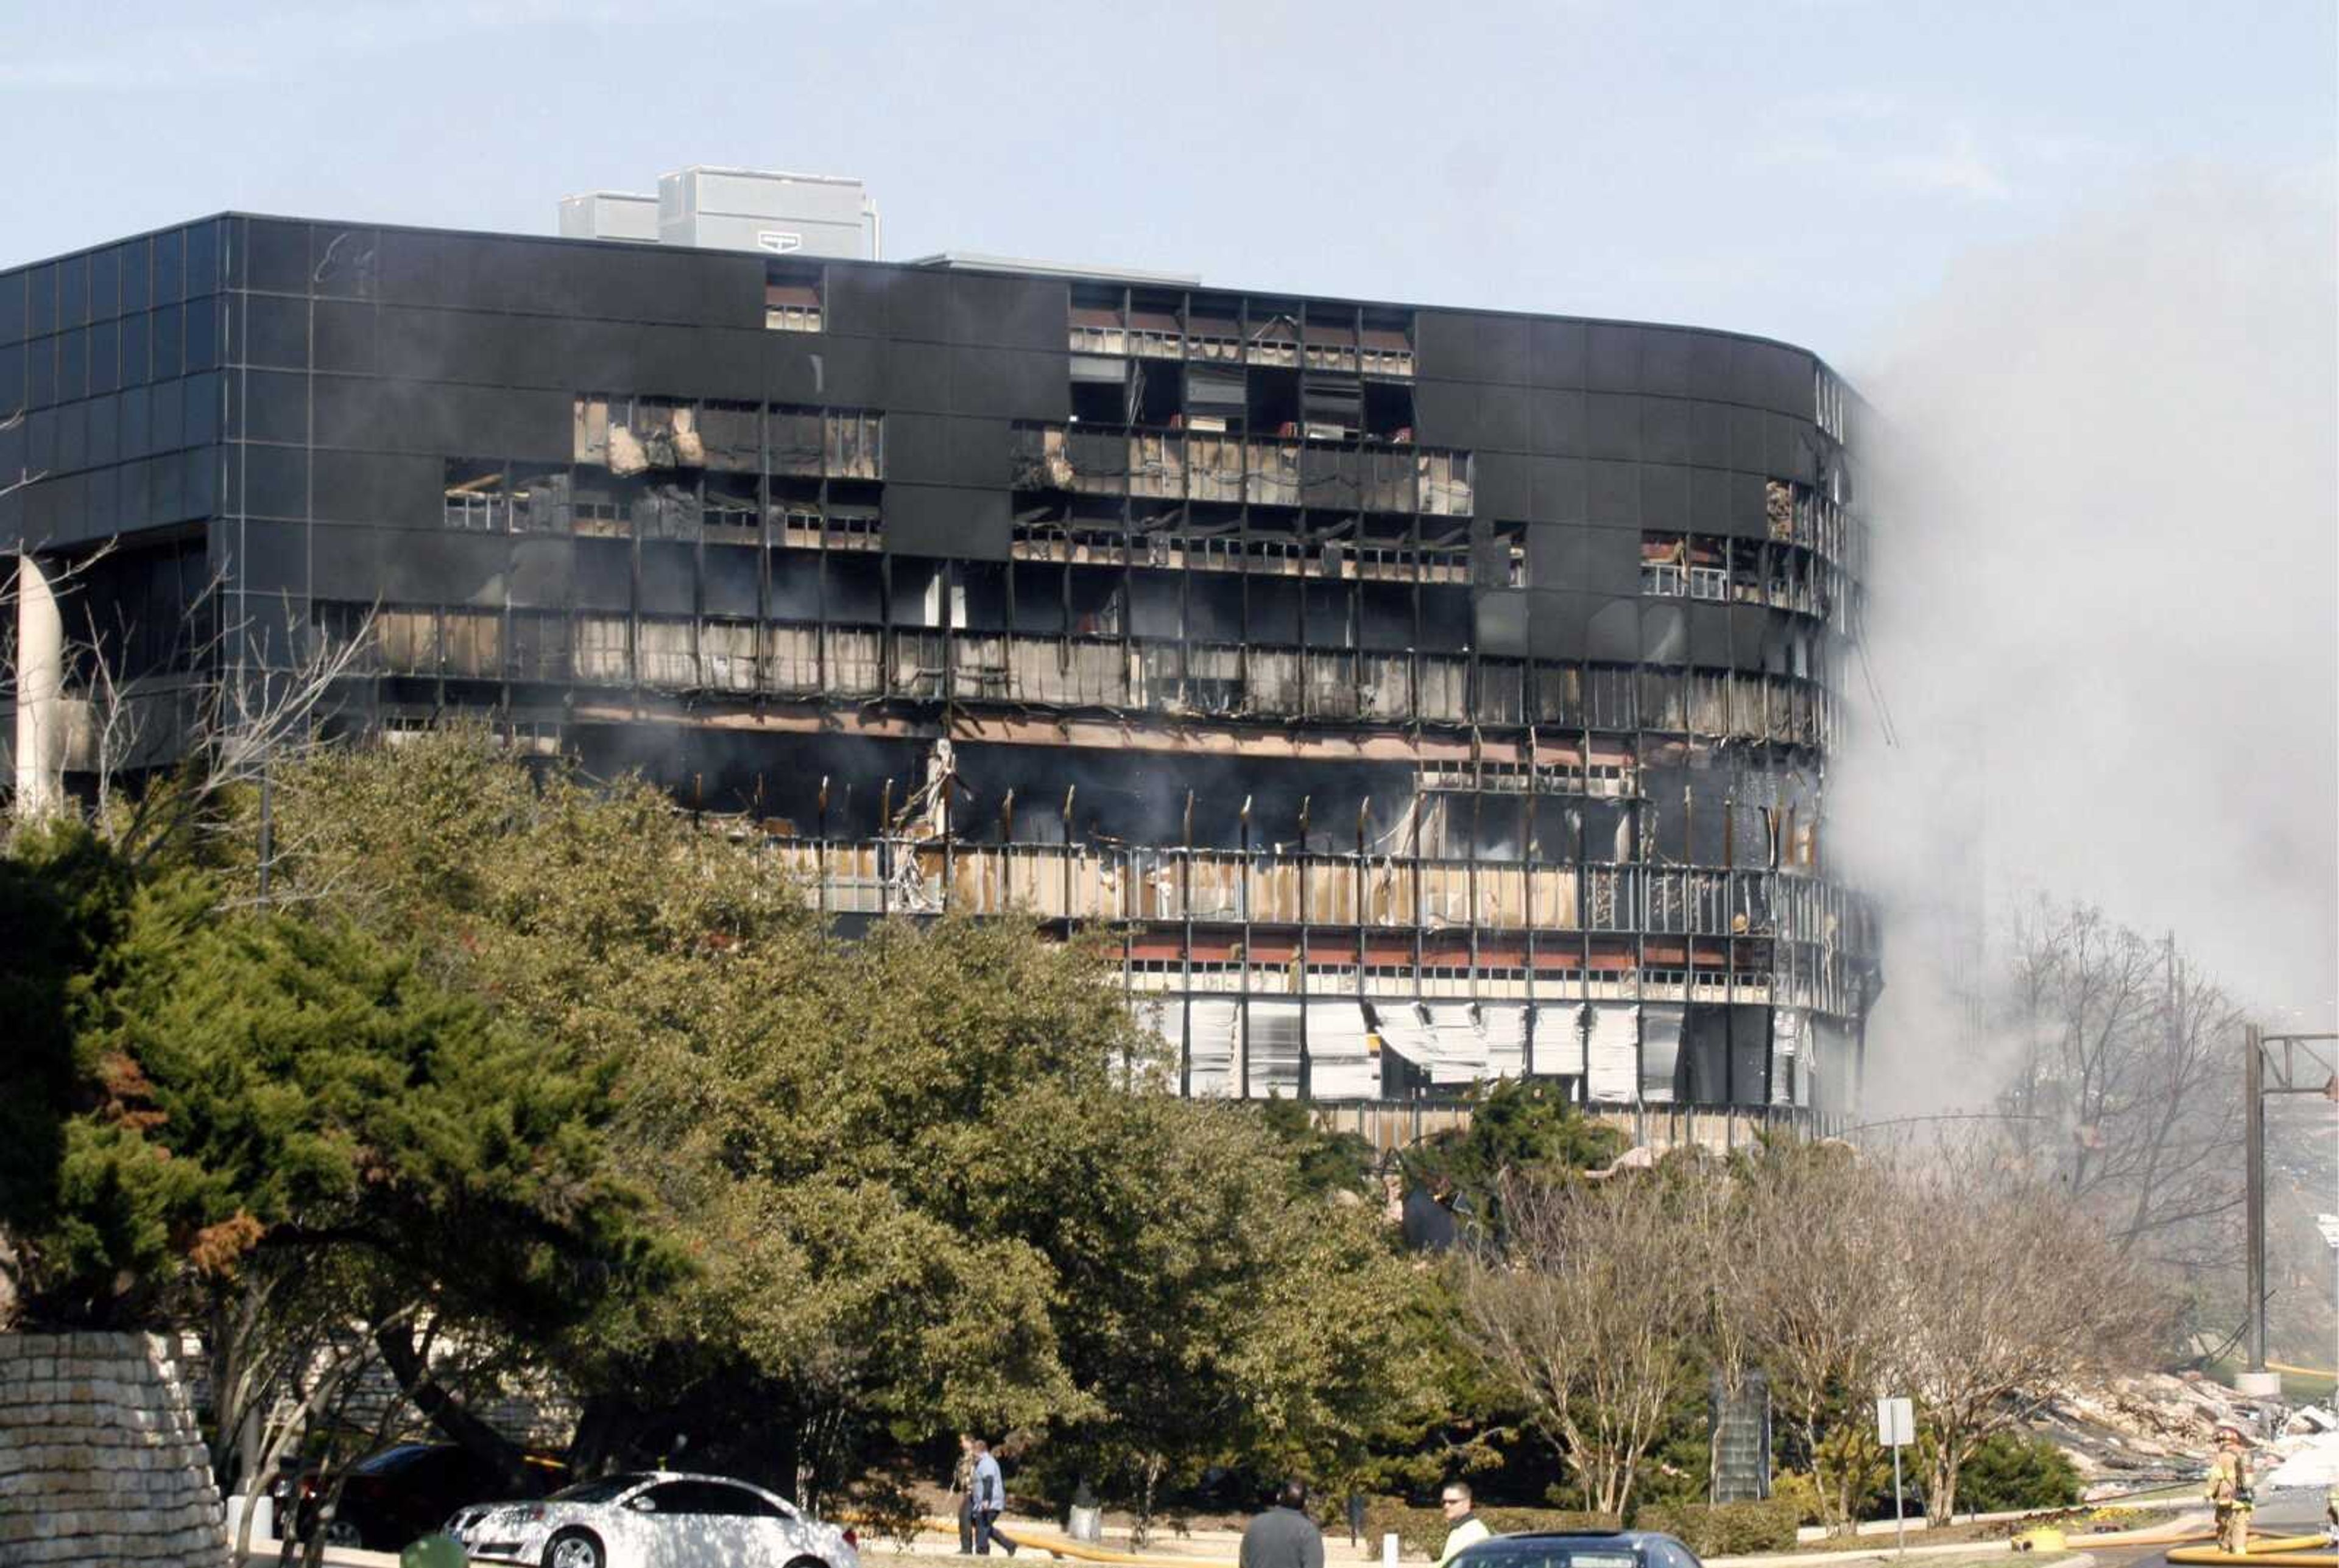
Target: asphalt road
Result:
[2295, 1511]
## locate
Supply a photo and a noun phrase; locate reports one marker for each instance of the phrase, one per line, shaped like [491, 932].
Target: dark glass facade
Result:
[1422, 694]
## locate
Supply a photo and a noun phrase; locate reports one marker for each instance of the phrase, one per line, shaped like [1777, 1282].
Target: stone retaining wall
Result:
[99, 1458]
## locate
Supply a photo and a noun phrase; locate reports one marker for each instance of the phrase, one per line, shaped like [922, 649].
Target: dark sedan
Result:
[1579, 1549]
[407, 1491]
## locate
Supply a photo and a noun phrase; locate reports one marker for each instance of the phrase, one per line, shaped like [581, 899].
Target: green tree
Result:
[248, 1083]
[929, 1178]
[2011, 1470]
[1525, 1127]
[71, 1229]
[1323, 1160]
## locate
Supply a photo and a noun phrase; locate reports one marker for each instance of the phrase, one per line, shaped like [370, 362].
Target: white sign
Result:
[1895, 1422]
[779, 241]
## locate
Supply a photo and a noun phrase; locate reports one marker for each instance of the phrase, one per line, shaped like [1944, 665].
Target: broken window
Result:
[796, 442]
[406, 640]
[1664, 565]
[1331, 340]
[1331, 407]
[1271, 473]
[1388, 344]
[795, 517]
[1153, 330]
[1096, 324]
[476, 501]
[1827, 395]
[1214, 330]
[1445, 480]
[791, 297]
[1273, 338]
[1388, 412]
[539, 646]
[630, 436]
[855, 444]
[1271, 404]
[1501, 694]
[1778, 508]
[1610, 692]
[1709, 572]
[1445, 557]
[471, 643]
[1560, 695]
[1157, 395]
[731, 510]
[602, 649]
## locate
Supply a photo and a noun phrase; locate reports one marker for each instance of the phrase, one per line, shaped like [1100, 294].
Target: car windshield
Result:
[600, 1491]
[390, 1459]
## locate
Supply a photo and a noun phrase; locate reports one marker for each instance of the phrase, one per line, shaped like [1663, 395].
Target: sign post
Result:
[1896, 1427]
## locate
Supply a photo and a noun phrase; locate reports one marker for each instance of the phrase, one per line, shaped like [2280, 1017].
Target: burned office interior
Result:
[1417, 696]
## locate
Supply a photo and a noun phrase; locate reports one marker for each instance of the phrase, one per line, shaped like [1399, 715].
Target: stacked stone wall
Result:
[99, 1458]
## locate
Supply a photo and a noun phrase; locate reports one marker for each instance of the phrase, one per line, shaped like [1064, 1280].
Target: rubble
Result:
[2155, 1428]
[2309, 1460]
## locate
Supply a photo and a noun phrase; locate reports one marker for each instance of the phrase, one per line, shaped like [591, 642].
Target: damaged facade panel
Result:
[1268, 635]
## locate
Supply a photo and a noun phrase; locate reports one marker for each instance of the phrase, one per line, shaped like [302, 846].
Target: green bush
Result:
[1727, 1529]
[1798, 1487]
[2014, 1470]
[1421, 1531]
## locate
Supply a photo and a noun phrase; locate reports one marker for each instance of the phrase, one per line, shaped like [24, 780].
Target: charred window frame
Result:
[794, 296]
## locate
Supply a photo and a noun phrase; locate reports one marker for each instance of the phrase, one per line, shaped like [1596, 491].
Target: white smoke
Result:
[2106, 542]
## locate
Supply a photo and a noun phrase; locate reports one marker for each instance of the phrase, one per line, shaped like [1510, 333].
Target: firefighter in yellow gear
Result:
[2229, 1491]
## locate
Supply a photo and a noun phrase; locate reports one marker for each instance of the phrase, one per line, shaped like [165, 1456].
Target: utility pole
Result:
[2273, 1064]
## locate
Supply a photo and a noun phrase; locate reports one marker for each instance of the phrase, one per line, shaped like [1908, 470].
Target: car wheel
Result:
[575, 1549]
[342, 1533]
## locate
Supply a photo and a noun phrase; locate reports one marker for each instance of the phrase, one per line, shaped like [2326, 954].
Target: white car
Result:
[654, 1519]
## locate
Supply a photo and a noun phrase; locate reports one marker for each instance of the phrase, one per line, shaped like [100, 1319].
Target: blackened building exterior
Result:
[1420, 695]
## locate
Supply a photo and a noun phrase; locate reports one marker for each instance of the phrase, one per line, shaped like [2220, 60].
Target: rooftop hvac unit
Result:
[778, 214]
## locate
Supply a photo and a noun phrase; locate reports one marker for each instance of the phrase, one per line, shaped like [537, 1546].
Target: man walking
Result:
[962, 1487]
[2229, 1491]
[1284, 1537]
[1463, 1525]
[986, 1501]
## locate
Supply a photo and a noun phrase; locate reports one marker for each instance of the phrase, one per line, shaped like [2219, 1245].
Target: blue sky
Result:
[1805, 169]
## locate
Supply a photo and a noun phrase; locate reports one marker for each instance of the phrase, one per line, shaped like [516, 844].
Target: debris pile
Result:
[2308, 1450]
[2140, 1431]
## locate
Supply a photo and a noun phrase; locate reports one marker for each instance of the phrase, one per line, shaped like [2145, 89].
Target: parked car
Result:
[654, 1519]
[1579, 1549]
[400, 1494]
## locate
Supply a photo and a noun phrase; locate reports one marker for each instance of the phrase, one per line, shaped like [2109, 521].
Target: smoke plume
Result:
[2105, 538]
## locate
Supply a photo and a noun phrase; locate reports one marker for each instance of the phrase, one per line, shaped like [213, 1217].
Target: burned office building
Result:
[1417, 695]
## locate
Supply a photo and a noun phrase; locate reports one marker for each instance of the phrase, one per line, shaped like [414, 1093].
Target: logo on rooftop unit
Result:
[779, 241]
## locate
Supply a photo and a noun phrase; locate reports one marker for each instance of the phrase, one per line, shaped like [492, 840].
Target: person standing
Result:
[1463, 1525]
[962, 1487]
[1284, 1537]
[2229, 1491]
[986, 1501]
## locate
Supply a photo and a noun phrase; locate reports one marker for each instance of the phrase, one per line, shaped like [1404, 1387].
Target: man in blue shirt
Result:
[987, 1500]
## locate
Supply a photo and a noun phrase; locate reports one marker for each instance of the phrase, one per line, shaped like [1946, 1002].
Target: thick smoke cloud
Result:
[2107, 554]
